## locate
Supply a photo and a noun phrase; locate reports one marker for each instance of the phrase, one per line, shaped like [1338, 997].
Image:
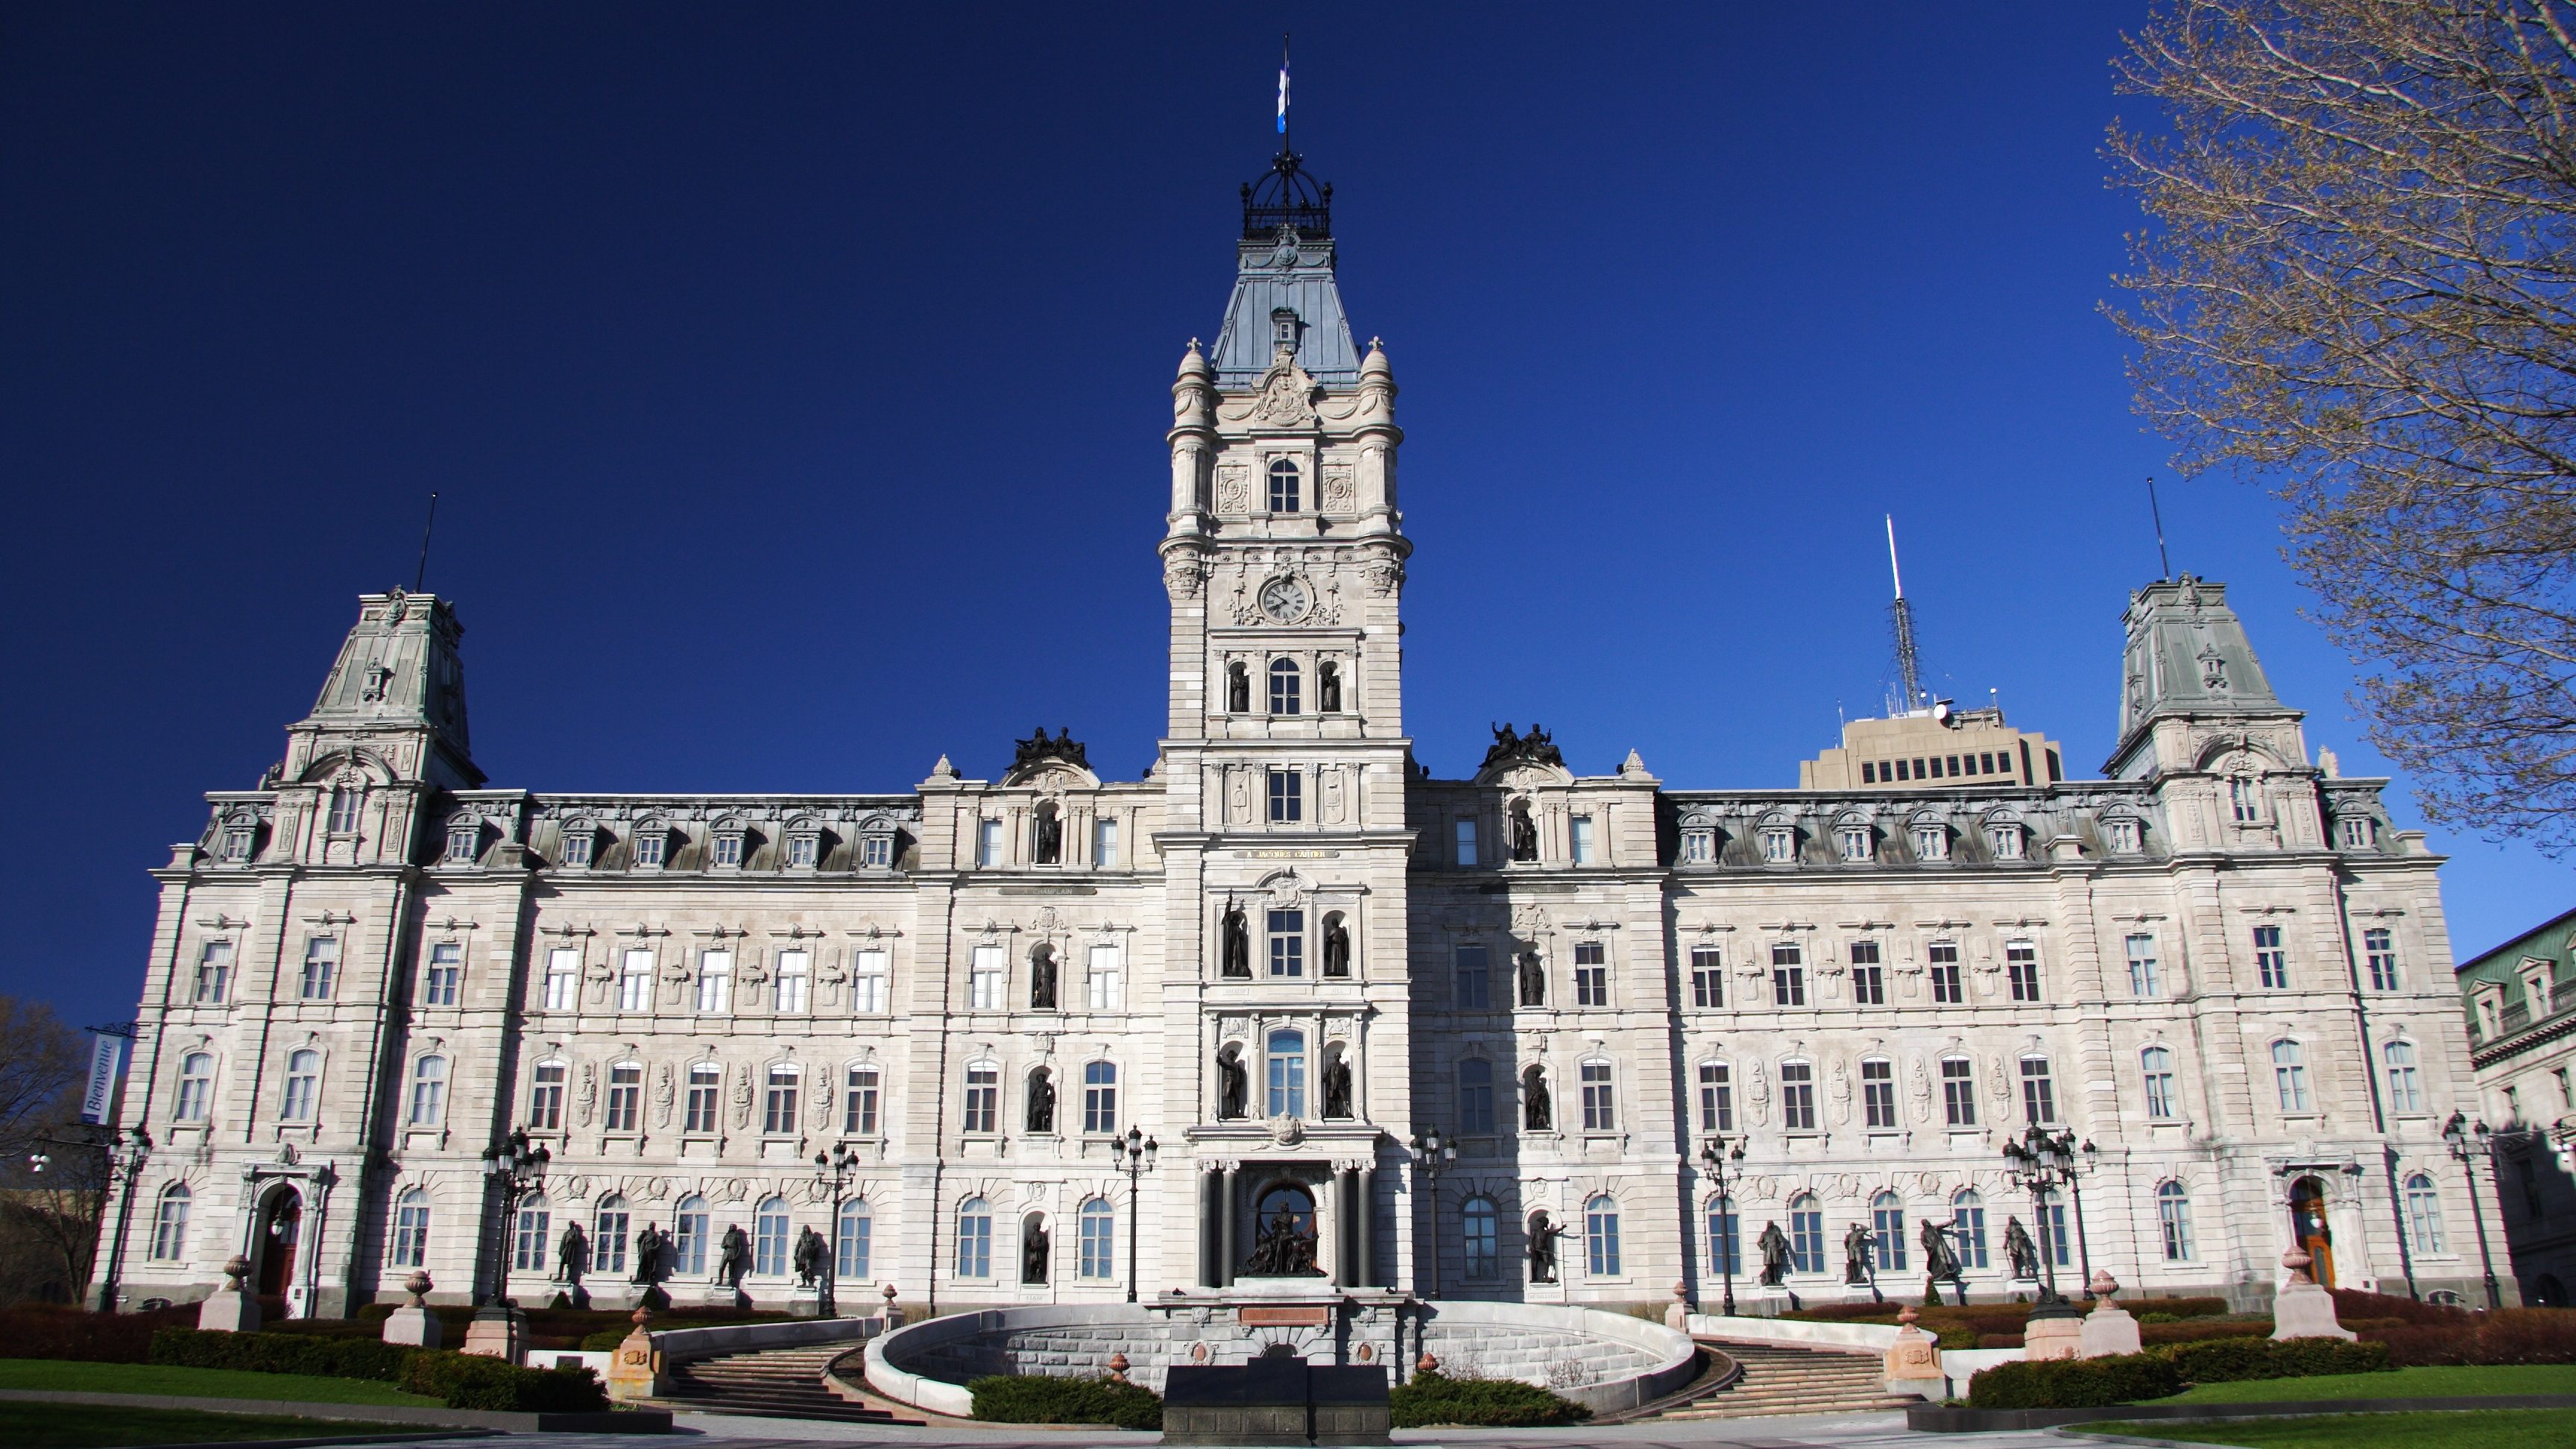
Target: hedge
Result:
[1041, 1399]
[2514, 1335]
[478, 1381]
[461, 1381]
[57, 1331]
[2229, 1360]
[2087, 1383]
[1435, 1398]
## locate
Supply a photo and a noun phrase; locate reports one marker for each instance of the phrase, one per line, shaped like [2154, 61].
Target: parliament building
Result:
[1295, 959]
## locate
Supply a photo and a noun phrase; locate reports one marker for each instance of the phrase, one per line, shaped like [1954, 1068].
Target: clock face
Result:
[1283, 599]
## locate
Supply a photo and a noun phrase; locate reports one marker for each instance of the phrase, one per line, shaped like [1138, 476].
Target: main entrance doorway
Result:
[2308, 1228]
[281, 1227]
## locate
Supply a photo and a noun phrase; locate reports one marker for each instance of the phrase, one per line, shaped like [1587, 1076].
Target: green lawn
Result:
[85, 1426]
[2467, 1429]
[153, 1378]
[2406, 1383]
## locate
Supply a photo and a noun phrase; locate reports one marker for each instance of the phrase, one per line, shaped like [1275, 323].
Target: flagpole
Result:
[1284, 148]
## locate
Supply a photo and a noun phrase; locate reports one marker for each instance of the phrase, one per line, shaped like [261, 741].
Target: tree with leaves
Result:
[2358, 283]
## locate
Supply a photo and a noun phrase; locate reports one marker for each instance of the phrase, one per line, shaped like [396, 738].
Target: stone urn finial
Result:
[642, 1315]
[2298, 1262]
[236, 1268]
[2103, 1284]
[1906, 1316]
[889, 1295]
[1118, 1368]
[1426, 1364]
[418, 1286]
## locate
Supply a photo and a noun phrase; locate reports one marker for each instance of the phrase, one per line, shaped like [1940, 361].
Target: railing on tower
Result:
[1287, 197]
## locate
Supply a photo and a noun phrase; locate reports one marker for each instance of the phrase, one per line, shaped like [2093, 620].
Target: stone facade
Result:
[2521, 1000]
[1285, 954]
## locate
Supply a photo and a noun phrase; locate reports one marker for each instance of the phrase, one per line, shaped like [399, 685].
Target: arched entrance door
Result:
[2308, 1227]
[281, 1226]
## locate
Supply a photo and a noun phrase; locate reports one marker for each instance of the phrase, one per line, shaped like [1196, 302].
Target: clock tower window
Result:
[1284, 488]
[1285, 687]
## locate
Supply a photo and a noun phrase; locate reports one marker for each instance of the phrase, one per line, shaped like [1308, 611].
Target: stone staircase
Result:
[778, 1383]
[1782, 1380]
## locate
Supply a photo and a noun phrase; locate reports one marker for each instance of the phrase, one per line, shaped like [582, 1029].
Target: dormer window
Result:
[464, 841]
[2005, 840]
[2360, 832]
[1283, 329]
[579, 843]
[1855, 843]
[1931, 841]
[1284, 488]
[652, 844]
[1699, 845]
[876, 849]
[342, 817]
[801, 849]
[237, 842]
[727, 847]
[1779, 844]
[2123, 835]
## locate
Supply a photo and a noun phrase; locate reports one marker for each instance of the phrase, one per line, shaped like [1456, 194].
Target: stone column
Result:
[1225, 1227]
[1346, 1255]
[1365, 1221]
[1208, 1183]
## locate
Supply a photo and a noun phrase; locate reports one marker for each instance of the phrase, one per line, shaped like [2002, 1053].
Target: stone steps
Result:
[780, 1383]
[1780, 1380]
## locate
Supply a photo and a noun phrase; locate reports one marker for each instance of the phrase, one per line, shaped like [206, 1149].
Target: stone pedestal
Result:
[2302, 1309]
[2108, 1329]
[229, 1309]
[413, 1324]
[718, 1295]
[635, 1369]
[805, 1303]
[1768, 1302]
[497, 1332]
[1914, 1360]
[2055, 1330]
[893, 1315]
[1677, 1312]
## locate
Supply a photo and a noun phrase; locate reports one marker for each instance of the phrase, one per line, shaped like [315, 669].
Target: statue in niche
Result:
[733, 1256]
[1042, 978]
[810, 1254]
[1230, 1085]
[1282, 1250]
[1524, 832]
[1774, 1246]
[1033, 1252]
[1050, 835]
[572, 1255]
[1538, 1114]
[1940, 1261]
[1542, 1247]
[1238, 942]
[648, 1253]
[1533, 980]
[1337, 948]
[2023, 1253]
[1856, 1248]
[1337, 1087]
[1041, 1102]
[1238, 688]
[1328, 688]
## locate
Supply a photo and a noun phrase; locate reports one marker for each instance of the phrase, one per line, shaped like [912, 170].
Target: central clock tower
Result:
[1285, 757]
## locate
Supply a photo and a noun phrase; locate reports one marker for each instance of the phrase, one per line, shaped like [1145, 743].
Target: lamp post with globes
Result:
[513, 1169]
[2044, 1161]
[832, 1171]
[1138, 1156]
[1717, 1157]
[1431, 1152]
[2466, 1144]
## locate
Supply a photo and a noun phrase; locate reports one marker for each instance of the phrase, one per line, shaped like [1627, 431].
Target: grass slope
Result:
[148, 1378]
[85, 1426]
[2467, 1429]
[2406, 1383]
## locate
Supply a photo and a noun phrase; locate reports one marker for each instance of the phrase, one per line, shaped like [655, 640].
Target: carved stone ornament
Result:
[1287, 1131]
[1182, 578]
[1338, 487]
[1231, 481]
[1384, 576]
[1287, 398]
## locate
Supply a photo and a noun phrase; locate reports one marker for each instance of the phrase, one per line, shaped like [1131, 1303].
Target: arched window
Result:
[769, 1236]
[411, 1229]
[851, 1241]
[1601, 1236]
[2173, 1218]
[303, 1086]
[2164, 1103]
[1475, 1096]
[343, 816]
[1099, 1237]
[1480, 1232]
[1968, 1227]
[1806, 1234]
[975, 1239]
[779, 1100]
[983, 1096]
[2424, 1215]
[1238, 688]
[429, 1091]
[1600, 1100]
[1887, 1221]
[1100, 1098]
[528, 1234]
[689, 1235]
[2405, 1089]
[1287, 1065]
[2290, 1076]
[1283, 485]
[1725, 1237]
[608, 1229]
[170, 1224]
[196, 1087]
[1286, 694]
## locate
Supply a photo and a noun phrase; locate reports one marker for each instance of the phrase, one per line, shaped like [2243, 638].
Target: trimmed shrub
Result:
[2229, 1360]
[475, 1381]
[2528, 1335]
[281, 1353]
[54, 1331]
[461, 1381]
[2352, 1303]
[2075, 1383]
[1436, 1398]
[1040, 1399]
[1996, 1340]
[2153, 1335]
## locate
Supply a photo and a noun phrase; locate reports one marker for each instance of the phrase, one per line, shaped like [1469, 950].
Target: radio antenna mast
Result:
[1908, 662]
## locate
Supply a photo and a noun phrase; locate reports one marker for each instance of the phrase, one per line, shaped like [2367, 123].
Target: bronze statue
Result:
[1533, 980]
[1050, 837]
[1282, 1250]
[1230, 1085]
[572, 1254]
[1537, 1112]
[1542, 1247]
[1857, 1243]
[648, 1254]
[1033, 1254]
[1524, 834]
[811, 1252]
[1337, 948]
[1774, 1246]
[2021, 1250]
[1337, 1087]
[1940, 1260]
[1041, 1101]
[1238, 942]
[1042, 978]
[1238, 689]
[733, 1257]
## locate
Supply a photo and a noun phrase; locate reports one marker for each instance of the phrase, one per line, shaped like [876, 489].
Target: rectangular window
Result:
[1857, 845]
[868, 993]
[876, 852]
[1797, 1097]
[706, 1084]
[1599, 1109]
[464, 840]
[2243, 801]
[215, 972]
[1699, 847]
[2038, 1092]
[1582, 839]
[2124, 836]
[1286, 1063]
[795, 982]
[2144, 978]
[1105, 984]
[1466, 843]
[1878, 1094]
[983, 1097]
[1868, 773]
[800, 851]
[1959, 1091]
[635, 982]
[778, 1103]
[237, 843]
[988, 843]
[1475, 979]
[625, 1096]
[576, 849]
[545, 1098]
[321, 967]
[1716, 1098]
[2271, 959]
[649, 847]
[728, 850]
[1788, 975]
[715, 983]
[563, 978]
[1475, 1095]
[1287, 797]
[2566, 1088]
[2379, 951]
[2156, 1066]
[1869, 978]
[1104, 844]
[1947, 988]
[446, 972]
[1725, 1248]
[2021, 966]
[1099, 1099]
[985, 978]
[1287, 943]
[1591, 974]
[1779, 845]
[859, 1102]
[1708, 976]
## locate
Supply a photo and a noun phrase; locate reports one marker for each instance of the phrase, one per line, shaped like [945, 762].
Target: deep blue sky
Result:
[795, 381]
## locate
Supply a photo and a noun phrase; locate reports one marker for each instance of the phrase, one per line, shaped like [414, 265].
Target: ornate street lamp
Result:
[1138, 1153]
[2466, 1144]
[1716, 1157]
[832, 1172]
[513, 1169]
[2043, 1161]
[1431, 1152]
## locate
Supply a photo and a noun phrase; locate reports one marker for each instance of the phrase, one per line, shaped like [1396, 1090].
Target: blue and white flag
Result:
[1283, 89]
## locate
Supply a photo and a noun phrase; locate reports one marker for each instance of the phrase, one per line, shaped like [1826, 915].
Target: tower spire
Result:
[1908, 663]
